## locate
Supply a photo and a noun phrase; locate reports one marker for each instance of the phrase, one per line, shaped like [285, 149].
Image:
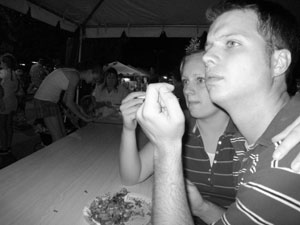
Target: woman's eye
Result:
[231, 44]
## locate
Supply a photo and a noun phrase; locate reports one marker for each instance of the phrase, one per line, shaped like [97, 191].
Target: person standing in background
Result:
[21, 94]
[37, 74]
[48, 95]
[9, 103]
[2, 106]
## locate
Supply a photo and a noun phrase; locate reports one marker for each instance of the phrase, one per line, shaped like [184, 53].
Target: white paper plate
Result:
[134, 220]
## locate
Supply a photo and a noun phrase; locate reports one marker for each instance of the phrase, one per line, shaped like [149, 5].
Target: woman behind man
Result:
[48, 95]
[8, 103]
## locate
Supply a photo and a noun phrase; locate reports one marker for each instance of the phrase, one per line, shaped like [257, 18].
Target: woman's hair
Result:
[10, 61]
[195, 46]
[110, 70]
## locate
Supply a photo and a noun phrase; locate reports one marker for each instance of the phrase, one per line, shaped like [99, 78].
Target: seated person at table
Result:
[207, 146]
[109, 94]
[48, 94]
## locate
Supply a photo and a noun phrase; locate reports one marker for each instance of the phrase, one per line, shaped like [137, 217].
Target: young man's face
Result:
[237, 64]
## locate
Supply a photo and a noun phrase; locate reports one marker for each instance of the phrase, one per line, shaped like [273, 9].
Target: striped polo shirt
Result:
[216, 183]
[269, 191]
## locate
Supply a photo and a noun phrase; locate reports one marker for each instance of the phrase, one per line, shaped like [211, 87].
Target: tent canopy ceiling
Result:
[109, 18]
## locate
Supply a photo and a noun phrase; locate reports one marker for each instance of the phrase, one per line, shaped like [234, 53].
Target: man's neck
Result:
[253, 120]
[213, 126]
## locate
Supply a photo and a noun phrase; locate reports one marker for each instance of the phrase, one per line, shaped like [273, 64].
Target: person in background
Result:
[109, 94]
[48, 95]
[247, 62]
[21, 93]
[9, 83]
[37, 74]
[2, 106]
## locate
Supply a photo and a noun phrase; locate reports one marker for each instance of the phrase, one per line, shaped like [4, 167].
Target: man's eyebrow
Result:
[234, 34]
[194, 74]
[225, 36]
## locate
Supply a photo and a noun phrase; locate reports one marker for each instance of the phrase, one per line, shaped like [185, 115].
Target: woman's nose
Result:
[188, 89]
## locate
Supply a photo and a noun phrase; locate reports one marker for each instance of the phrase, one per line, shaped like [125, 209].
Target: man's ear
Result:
[281, 61]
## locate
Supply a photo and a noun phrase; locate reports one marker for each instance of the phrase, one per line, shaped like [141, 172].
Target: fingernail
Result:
[277, 143]
[296, 167]
[276, 155]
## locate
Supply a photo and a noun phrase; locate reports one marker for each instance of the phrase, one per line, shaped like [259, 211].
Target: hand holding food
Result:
[129, 107]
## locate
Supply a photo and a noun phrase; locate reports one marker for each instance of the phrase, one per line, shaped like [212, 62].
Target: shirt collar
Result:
[284, 117]
[230, 129]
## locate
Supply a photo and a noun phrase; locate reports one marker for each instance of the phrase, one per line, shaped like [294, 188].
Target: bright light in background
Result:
[33, 62]
[22, 64]
[125, 79]
[165, 77]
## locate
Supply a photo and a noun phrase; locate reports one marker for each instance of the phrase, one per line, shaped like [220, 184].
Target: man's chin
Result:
[217, 97]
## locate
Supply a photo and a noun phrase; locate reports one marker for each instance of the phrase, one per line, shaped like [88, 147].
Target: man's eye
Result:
[201, 79]
[231, 44]
[184, 82]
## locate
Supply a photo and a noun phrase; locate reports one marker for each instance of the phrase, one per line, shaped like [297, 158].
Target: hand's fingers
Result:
[296, 164]
[133, 104]
[287, 144]
[170, 101]
[131, 111]
[139, 114]
[187, 181]
[282, 135]
[132, 96]
[151, 104]
[287, 139]
[132, 99]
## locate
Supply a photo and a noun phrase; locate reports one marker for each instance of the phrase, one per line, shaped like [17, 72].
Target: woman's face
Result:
[111, 80]
[194, 89]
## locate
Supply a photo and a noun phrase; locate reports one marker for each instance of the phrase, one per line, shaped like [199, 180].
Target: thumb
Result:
[170, 101]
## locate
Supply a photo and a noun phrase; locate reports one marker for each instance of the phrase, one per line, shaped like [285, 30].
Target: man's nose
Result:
[208, 58]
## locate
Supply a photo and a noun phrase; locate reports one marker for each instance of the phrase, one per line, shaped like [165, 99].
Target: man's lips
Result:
[193, 102]
[213, 78]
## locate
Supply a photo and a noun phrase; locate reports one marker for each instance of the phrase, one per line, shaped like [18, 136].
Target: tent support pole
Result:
[80, 44]
[79, 61]
[92, 13]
